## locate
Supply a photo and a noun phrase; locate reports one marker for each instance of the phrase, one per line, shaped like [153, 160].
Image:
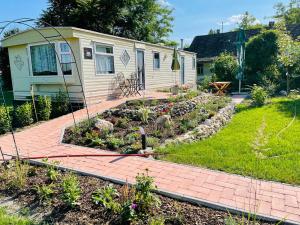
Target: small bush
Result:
[144, 114]
[44, 107]
[45, 193]
[258, 95]
[17, 175]
[144, 198]
[71, 190]
[52, 171]
[5, 120]
[152, 142]
[106, 197]
[23, 115]
[114, 143]
[191, 94]
[122, 123]
[60, 104]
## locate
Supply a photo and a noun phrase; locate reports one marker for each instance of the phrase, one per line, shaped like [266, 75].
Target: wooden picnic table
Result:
[221, 87]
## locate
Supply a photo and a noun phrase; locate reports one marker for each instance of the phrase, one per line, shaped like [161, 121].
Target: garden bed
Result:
[119, 129]
[52, 207]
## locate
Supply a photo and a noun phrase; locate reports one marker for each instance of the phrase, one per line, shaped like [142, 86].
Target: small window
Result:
[104, 59]
[200, 68]
[194, 63]
[65, 58]
[156, 60]
[43, 60]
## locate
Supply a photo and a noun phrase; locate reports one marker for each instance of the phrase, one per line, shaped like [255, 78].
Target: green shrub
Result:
[71, 190]
[114, 143]
[144, 198]
[5, 120]
[152, 142]
[52, 171]
[106, 197]
[258, 95]
[122, 122]
[143, 114]
[132, 138]
[45, 192]
[225, 67]
[23, 115]
[191, 94]
[44, 107]
[60, 104]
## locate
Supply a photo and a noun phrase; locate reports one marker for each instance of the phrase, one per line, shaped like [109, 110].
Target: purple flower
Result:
[133, 206]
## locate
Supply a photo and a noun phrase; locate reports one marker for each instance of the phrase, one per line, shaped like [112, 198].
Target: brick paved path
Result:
[211, 188]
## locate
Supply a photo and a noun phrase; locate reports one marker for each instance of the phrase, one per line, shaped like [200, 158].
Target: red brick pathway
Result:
[212, 188]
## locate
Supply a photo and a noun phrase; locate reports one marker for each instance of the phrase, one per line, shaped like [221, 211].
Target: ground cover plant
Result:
[262, 142]
[118, 129]
[6, 219]
[99, 202]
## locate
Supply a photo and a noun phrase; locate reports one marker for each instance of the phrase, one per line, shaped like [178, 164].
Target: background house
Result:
[100, 57]
[208, 47]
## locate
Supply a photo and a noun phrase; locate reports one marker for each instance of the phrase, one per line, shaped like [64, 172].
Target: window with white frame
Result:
[194, 63]
[43, 60]
[104, 56]
[65, 58]
[156, 60]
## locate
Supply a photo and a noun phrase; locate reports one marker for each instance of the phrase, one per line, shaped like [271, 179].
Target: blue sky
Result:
[192, 17]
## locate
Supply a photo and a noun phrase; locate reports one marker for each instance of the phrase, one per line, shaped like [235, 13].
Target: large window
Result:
[104, 59]
[156, 60]
[43, 60]
[65, 58]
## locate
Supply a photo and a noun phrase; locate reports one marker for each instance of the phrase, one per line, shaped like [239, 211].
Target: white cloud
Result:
[164, 3]
[236, 19]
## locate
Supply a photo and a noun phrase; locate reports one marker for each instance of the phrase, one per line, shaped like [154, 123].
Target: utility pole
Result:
[222, 26]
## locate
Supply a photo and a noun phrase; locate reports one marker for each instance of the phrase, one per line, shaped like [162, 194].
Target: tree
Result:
[261, 57]
[247, 21]
[145, 20]
[289, 55]
[290, 13]
[4, 61]
[225, 67]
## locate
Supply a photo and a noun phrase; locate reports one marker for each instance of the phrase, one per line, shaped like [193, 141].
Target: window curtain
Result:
[43, 60]
[104, 64]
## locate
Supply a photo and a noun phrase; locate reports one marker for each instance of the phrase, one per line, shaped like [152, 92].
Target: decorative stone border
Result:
[208, 128]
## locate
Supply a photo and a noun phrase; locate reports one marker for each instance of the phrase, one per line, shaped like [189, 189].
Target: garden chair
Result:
[122, 84]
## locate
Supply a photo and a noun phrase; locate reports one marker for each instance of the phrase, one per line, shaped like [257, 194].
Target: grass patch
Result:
[6, 219]
[232, 150]
[9, 97]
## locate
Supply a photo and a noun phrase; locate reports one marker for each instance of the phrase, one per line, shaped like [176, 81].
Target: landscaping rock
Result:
[209, 127]
[283, 93]
[102, 125]
[163, 121]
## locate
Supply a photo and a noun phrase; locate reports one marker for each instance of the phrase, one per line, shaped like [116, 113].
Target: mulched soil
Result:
[175, 212]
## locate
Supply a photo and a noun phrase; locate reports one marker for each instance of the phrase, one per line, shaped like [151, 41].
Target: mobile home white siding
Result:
[96, 87]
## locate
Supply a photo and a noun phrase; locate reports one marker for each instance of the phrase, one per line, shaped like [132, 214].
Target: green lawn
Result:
[9, 97]
[6, 219]
[231, 149]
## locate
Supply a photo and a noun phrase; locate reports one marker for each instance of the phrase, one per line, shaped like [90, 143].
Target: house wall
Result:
[98, 87]
[23, 80]
[206, 71]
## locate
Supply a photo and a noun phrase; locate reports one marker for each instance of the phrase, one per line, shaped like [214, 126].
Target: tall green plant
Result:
[44, 107]
[23, 115]
[4, 120]
[60, 104]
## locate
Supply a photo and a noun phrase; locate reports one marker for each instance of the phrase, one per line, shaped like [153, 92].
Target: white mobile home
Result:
[46, 68]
